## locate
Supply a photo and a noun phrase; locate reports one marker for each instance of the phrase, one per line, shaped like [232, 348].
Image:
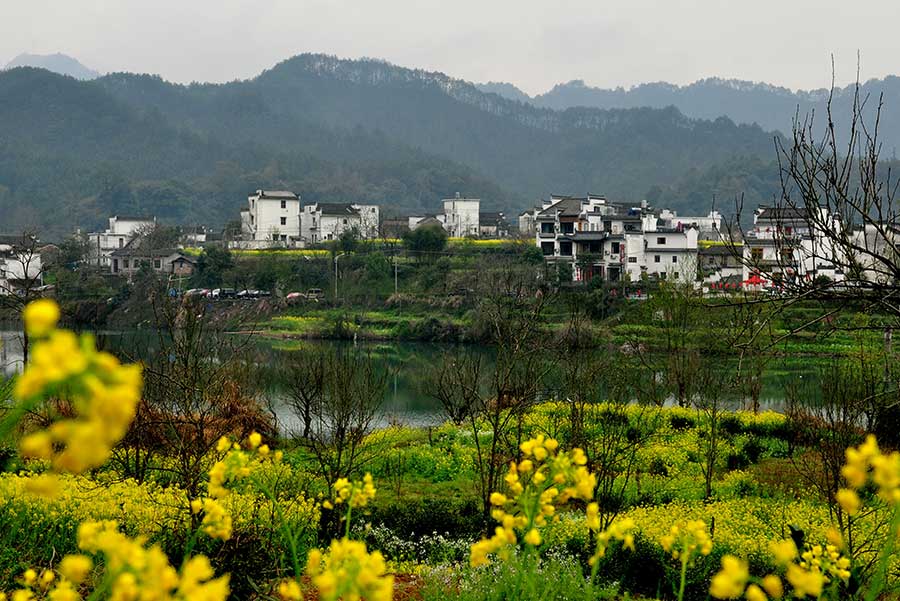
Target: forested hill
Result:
[772, 107]
[337, 130]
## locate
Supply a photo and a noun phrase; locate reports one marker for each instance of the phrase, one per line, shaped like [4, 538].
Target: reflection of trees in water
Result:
[404, 400]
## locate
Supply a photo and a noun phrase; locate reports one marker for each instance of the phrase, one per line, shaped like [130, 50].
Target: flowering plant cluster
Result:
[809, 574]
[104, 394]
[346, 570]
[542, 481]
[236, 464]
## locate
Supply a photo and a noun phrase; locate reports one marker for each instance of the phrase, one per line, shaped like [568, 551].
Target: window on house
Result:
[632, 259]
[157, 263]
[115, 265]
[283, 204]
[546, 228]
[284, 221]
[121, 242]
[756, 254]
[547, 248]
[565, 249]
[674, 258]
[656, 258]
[125, 263]
[345, 222]
[615, 248]
[675, 274]
[661, 240]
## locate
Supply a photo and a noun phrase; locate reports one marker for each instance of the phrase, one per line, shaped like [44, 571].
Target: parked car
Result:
[315, 294]
[294, 297]
[201, 292]
[220, 293]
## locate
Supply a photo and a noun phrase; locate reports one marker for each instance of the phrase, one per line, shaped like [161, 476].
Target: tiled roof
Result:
[134, 218]
[277, 194]
[780, 213]
[336, 208]
[567, 207]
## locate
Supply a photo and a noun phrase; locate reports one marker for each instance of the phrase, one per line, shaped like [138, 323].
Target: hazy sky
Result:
[531, 43]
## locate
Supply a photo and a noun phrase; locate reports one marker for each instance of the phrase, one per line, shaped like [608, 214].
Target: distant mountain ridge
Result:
[58, 63]
[341, 130]
[771, 107]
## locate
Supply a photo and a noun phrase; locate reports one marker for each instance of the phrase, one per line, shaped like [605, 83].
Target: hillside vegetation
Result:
[331, 129]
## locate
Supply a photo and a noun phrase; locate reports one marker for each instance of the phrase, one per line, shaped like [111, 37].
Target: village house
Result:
[460, 217]
[21, 267]
[168, 261]
[272, 218]
[783, 245]
[323, 221]
[492, 225]
[527, 223]
[121, 231]
[615, 240]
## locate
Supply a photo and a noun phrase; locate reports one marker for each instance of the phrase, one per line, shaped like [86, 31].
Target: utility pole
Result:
[336, 257]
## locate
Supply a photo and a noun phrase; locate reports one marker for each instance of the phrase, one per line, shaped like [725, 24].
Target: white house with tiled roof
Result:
[324, 221]
[272, 218]
[121, 231]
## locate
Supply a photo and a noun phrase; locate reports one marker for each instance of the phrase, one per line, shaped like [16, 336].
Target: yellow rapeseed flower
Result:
[40, 317]
[730, 581]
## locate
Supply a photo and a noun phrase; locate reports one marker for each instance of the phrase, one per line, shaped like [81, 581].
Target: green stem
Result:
[289, 536]
[684, 563]
[885, 556]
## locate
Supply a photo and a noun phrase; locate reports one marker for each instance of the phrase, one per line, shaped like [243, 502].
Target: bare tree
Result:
[455, 382]
[305, 375]
[353, 390]
[512, 314]
[836, 213]
[195, 391]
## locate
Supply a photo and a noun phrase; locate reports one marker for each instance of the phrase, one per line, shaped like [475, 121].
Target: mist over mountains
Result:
[330, 129]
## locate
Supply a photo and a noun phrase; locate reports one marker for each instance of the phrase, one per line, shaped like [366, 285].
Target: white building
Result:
[323, 221]
[121, 231]
[782, 245]
[20, 265]
[461, 216]
[615, 241]
[272, 218]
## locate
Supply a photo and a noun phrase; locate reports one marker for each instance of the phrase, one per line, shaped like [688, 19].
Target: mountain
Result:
[505, 90]
[772, 107]
[333, 129]
[58, 63]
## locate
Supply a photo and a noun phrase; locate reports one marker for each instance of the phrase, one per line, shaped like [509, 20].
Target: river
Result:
[405, 402]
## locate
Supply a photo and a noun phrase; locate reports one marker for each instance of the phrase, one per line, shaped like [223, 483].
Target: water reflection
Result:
[406, 401]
